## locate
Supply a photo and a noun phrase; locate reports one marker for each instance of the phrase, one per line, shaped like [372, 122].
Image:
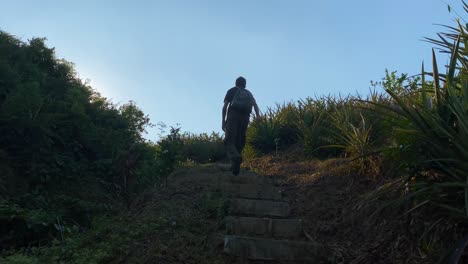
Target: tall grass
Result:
[417, 127]
[421, 124]
[436, 117]
[324, 127]
[203, 148]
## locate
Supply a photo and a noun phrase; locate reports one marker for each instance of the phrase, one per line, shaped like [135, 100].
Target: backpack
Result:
[242, 101]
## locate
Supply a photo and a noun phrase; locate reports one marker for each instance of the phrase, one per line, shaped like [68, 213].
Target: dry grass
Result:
[325, 193]
[329, 195]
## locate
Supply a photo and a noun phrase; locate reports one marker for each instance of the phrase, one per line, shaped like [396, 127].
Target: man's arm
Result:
[257, 111]
[223, 123]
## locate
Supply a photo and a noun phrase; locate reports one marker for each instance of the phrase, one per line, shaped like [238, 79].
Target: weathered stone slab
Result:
[265, 227]
[267, 249]
[259, 207]
[212, 177]
[249, 178]
[253, 191]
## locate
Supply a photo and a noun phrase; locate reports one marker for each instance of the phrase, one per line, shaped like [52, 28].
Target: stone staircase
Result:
[260, 226]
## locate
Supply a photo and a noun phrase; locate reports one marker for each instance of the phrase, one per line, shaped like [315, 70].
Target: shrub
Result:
[67, 153]
[203, 148]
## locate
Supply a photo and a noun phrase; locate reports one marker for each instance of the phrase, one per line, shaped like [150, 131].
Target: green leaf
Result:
[423, 88]
[453, 61]
[435, 75]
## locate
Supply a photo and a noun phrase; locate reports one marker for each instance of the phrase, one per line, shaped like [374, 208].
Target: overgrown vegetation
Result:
[76, 171]
[70, 160]
[412, 136]
[203, 148]
[67, 154]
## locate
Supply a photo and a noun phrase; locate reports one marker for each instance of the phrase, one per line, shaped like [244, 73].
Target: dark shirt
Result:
[230, 95]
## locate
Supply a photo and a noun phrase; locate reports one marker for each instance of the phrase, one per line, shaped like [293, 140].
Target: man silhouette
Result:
[238, 104]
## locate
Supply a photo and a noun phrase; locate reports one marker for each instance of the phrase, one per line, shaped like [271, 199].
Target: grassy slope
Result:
[326, 194]
[332, 201]
[177, 223]
[182, 221]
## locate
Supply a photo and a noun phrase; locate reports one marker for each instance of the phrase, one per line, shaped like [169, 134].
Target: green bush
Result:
[436, 120]
[263, 135]
[324, 127]
[202, 147]
[67, 154]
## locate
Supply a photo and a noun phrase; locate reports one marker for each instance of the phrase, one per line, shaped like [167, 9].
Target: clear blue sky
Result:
[176, 59]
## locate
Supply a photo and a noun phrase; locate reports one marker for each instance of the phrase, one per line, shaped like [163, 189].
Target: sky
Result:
[177, 58]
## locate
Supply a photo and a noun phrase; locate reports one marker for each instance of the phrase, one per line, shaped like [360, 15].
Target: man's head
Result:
[241, 82]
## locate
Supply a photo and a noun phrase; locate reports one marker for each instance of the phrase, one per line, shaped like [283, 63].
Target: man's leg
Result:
[230, 142]
[243, 124]
[241, 136]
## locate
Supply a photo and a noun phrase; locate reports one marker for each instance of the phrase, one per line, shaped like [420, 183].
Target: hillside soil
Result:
[182, 220]
[340, 211]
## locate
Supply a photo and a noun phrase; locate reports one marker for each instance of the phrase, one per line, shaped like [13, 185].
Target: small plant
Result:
[261, 133]
[169, 152]
[277, 143]
[214, 205]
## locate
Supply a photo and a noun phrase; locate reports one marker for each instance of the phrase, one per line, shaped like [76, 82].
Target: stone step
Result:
[266, 227]
[245, 178]
[253, 191]
[216, 178]
[267, 249]
[221, 179]
[241, 206]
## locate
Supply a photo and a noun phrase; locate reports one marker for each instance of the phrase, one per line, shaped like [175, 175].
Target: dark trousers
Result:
[236, 126]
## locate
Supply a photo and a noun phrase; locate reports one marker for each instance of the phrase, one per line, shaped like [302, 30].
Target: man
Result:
[240, 102]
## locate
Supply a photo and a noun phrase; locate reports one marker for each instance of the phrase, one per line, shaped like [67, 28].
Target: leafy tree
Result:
[66, 152]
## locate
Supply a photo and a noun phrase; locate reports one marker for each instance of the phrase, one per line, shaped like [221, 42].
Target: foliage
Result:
[416, 133]
[214, 205]
[261, 134]
[323, 127]
[67, 154]
[437, 119]
[169, 151]
[191, 147]
[164, 225]
[202, 148]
